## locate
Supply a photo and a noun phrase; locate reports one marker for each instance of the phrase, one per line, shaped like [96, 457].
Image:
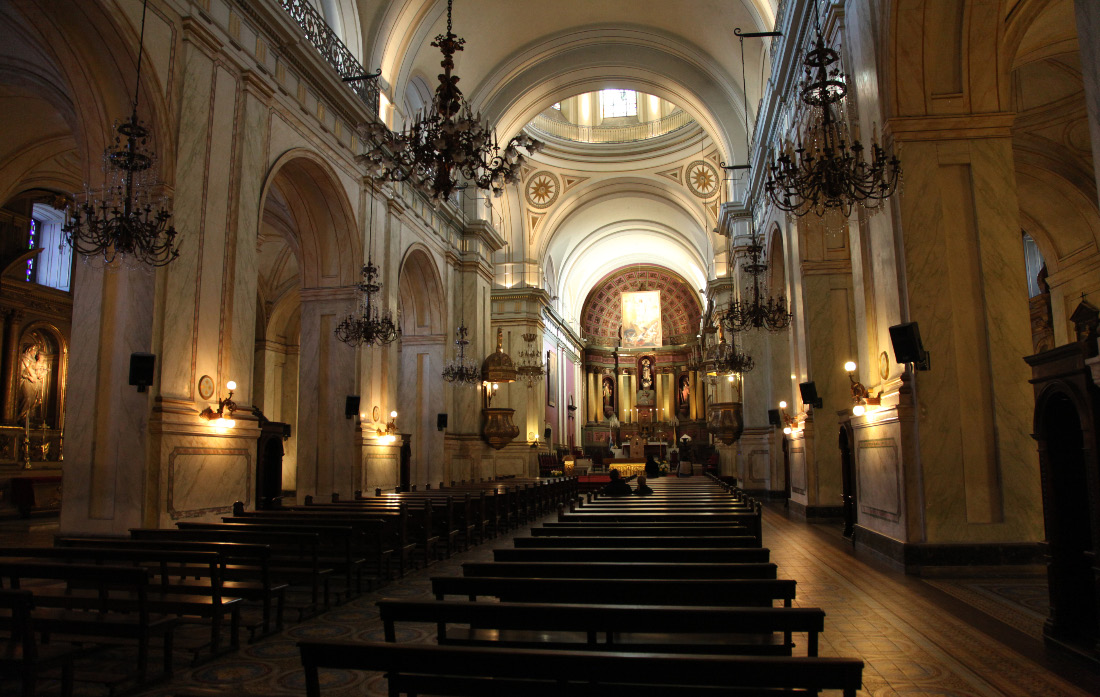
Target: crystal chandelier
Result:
[462, 370]
[530, 367]
[760, 312]
[125, 220]
[370, 325]
[448, 140]
[830, 172]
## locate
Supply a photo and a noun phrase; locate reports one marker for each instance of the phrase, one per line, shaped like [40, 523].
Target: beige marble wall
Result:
[328, 452]
[962, 271]
[108, 483]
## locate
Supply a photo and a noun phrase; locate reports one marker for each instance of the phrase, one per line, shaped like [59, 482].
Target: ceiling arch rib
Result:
[673, 208]
[623, 243]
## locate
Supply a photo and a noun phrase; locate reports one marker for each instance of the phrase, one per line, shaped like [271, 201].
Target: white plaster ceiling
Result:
[522, 56]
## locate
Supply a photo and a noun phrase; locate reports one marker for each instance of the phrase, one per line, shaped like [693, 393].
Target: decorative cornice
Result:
[968, 127]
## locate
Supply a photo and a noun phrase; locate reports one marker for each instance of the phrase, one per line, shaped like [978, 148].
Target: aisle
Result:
[911, 645]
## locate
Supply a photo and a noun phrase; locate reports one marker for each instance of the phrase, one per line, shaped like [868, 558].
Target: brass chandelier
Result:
[530, 368]
[448, 140]
[760, 312]
[829, 173]
[124, 220]
[462, 370]
[370, 325]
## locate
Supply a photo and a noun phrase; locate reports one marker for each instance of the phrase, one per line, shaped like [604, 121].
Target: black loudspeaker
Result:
[351, 406]
[773, 417]
[908, 347]
[808, 390]
[141, 369]
[546, 434]
[441, 423]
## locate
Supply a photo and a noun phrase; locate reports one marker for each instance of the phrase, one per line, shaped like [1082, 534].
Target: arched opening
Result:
[1069, 521]
[420, 362]
[307, 256]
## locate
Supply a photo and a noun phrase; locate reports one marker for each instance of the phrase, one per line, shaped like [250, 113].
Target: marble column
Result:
[624, 401]
[12, 321]
[327, 456]
[1088, 41]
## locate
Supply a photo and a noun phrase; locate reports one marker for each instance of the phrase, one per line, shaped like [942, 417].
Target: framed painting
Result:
[551, 380]
[642, 319]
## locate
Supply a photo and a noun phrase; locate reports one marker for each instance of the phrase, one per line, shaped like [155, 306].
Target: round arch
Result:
[420, 293]
[330, 244]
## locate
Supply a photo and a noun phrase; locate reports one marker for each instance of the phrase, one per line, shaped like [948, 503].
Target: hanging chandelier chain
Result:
[829, 173]
[123, 220]
[447, 140]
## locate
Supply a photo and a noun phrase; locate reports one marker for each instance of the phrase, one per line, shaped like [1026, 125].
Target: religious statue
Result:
[34, 372]
[608, 397]
[647, 374]
[684, 395]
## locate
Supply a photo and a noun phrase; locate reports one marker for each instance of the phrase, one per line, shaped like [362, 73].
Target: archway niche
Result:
[307, 261]
[420, 363]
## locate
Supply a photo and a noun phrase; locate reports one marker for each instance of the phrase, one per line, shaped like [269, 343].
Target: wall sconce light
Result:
[225, 420]
[490, 392]
[861, 399]
[389, 433]
[789, 424]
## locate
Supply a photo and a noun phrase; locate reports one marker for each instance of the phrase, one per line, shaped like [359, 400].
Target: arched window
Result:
[1033, 259]
[53, 265]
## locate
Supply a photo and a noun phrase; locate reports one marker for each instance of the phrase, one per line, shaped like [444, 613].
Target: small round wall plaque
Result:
[206, 387]
[375, 413]
[883, 365]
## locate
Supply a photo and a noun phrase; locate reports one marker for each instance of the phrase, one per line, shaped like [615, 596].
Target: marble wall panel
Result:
[204, 481]
[798, 470]
[879, 478]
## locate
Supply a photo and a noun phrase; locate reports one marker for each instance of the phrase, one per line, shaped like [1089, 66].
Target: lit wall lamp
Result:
[225, 420]
[789, 424]
[389, 433]
[490, 392]
[860, 397]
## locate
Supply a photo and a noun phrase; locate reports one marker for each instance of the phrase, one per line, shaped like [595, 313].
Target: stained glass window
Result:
[31, 239]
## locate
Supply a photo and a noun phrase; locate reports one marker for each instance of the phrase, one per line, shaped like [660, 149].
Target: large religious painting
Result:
[642, 319]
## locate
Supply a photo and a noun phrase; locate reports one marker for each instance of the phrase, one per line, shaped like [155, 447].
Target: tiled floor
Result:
[916, 637]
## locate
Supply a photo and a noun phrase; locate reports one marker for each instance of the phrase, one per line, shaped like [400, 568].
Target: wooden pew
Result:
[654, 530]
[245, 570]
[739, 592]
[384, 534]
[295, 555]
[679, 629]
[653, 554]
[342, 544]
[686, 540]
[415, 669]
[165, 595]
[101, 603]
[619, 569]
[20, 651]
[750, 520]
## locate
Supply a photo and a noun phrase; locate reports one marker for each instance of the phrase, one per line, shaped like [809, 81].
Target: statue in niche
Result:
[34, 374]
[684, 395]
[608, 397]
[646, 380]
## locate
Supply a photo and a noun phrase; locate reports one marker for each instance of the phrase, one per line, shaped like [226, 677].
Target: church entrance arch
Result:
[420, 364]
